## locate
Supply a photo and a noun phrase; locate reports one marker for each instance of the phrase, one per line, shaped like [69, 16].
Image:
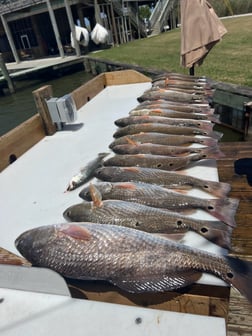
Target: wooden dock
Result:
[239, 319]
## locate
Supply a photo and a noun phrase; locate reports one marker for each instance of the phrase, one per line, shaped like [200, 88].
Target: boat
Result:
[37, 161]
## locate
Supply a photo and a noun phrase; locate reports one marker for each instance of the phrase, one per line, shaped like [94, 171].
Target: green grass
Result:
[229, 61]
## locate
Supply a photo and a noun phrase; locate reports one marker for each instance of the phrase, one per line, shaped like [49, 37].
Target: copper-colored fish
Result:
[146, 218]
[159, 161]
[168, 113]
[164, 139]
[133, 260]
[154, 94]
[165, 129]
[204, 125]
[168, 179]
[153, 195]
[155, 149]
[177, 106]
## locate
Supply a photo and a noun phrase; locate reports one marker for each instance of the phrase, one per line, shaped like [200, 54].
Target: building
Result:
[40, 28]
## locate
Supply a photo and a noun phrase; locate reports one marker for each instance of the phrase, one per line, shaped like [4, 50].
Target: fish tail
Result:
[219, 189]
[212, 153]
[210, 142]
[216, 135]
[240, 276]
[217, 232]
[224, 209]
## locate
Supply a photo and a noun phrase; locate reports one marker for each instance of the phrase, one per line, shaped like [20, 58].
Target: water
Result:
[20, 106]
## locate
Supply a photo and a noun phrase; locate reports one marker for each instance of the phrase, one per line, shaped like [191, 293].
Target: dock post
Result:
[40, 95]
[10, 39]
[55, 29]
[6, 74]
[72, 27]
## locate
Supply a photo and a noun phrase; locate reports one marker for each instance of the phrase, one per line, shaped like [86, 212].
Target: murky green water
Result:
[20, 106]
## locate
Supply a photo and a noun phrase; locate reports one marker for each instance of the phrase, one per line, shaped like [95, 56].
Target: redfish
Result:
[168, 113]
[204, 125]
[155, 149]
[133, 260]
[168, 179]
[159, 161]
[146, 218]
[153, 195]
[166, 94]
[164, 139]
[164, 129]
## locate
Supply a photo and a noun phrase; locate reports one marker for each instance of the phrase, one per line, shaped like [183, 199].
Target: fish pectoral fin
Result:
[158, 283]
[75, 231]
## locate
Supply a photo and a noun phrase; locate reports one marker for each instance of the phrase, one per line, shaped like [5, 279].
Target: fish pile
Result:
[124, 230]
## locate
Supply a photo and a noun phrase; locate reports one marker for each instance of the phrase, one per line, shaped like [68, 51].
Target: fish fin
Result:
[211, 153]
[177, 237]
[75, 231]
[131, 141]
[208, 141]
[103, 155]
[183, 191]
[125, 185]
[95, 195]
[158, 283]
[219, 189]
[217, 232]
[241, 275]
[224, 209]
[131, 169]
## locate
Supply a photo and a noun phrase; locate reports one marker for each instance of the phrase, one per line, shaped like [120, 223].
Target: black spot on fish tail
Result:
[224, 209]
[240, 275]
[217, 232]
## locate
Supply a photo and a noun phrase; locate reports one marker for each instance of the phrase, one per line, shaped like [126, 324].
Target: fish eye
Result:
[206, 186]
[204, 230]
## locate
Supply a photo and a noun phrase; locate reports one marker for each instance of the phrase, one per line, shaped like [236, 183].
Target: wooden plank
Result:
[89, 90]
[196, 299]
[20, 139]
[125, 77]
[40, 96]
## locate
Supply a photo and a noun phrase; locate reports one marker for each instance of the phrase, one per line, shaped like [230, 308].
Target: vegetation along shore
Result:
[229, 61]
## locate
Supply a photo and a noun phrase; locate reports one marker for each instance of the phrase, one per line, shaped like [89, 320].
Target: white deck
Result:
[32, 188]
[45, 314]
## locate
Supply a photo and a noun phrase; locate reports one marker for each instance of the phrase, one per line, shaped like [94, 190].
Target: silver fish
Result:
[156, 196]
[86, 173]
[168, 179]
[145, 218]
[133, 260]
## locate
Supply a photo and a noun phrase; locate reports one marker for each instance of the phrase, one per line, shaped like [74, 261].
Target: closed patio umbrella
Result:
[201, 29]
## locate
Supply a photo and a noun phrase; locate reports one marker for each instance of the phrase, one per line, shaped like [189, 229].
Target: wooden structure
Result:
[197, 299]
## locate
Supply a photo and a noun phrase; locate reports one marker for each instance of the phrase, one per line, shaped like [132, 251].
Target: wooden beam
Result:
[40, 96]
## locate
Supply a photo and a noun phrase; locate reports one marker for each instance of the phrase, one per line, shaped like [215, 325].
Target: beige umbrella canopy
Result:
[201, 29]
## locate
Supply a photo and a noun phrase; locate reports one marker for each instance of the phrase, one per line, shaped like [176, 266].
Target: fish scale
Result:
[152, 195]
[146, 218]
[133, 260]
[165, 178]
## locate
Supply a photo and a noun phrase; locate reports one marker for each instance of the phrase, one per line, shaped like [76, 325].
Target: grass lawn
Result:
[229, 61]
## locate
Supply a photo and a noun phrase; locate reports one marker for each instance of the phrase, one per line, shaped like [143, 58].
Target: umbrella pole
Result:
[191, 70]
